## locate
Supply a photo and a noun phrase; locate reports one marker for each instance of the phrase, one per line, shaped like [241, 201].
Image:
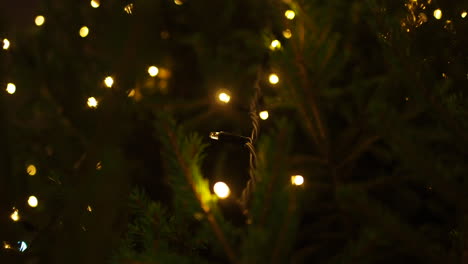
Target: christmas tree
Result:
[235, 131]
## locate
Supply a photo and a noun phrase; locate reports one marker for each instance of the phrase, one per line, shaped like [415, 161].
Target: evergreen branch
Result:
[359, 150]
[280, 242]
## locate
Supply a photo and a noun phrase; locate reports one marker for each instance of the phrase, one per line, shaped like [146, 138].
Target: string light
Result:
[273, 78]
[129, 9]
[109, 81]
[153, 71]
[39, 21]
[221, 190]
[263, 115]
[6, 44]
[89, 209]
[289, 14]
[92, 102]
[23, 246]
[15, 215]
[95, 3]
[224, 97]
[11, 88]
[297, 180]
[178, 2]
[32, 201]
[131, 93]
[98, 166]
[463, 14]
[6, 245]
[84, 31]
[287, 33]
[438, 13]
[31, 170]
[275, 45]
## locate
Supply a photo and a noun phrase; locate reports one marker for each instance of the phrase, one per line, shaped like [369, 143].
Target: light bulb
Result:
[224, 97]
[39, 20]
[297, 180]
[178, 2]
[23, 246]
[263, 115]
[15, 215]
[84, 31]
[32, 201]
[11, 88]
[287, 33]
[89, 208]
[31, 170]
[463, 14]
[109, 81]
[438, 13]
[6, 44]
[221, 190]
[273, 78]
[153, 71]
[289, 14]
[275, 44]
[95, 3]
[92, 102]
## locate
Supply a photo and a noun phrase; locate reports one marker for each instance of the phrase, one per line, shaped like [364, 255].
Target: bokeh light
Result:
[264, 115]
[109, 81]
[92, 102]
[32, 201]
[438, 13]
[39, 20]
[297, 180]
[275, 44]
[287, 33]
[95, 3]
[289, 14]
[84, 31]
[224, 97]
[15, 215]
[153, 71]
[221, 190]
[6, 44]
[11, 88]
[273, 78]
[31, 170]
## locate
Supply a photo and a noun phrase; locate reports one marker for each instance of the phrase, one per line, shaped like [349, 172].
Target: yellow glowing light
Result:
[11, 88]
[438, 13]
[39, 20]
[6, 245]
[84, 31]
[275, 44]
[89, 208]
[153, 71]
[109, 81]
[273, 78]
[224, 97]
[463, 14]
[129, 9]
[98, 165]
[297, 180]
[178, 2]
[263, 115]
[6, 44]
[221, 190]
[31, 170]
[92, 102]
[131, 93]
[15, 215]
[95, 3]
[32, 201]
[289, 14]
[287, 33]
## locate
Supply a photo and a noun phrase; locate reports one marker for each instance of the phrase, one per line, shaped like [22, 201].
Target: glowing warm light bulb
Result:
[131, 93]
[11, 88]
[273, 78]
[297, 180]
[6, 44]
[287, 33]
[289, 14]
[95, 3]
[15, 215]
[6, 245]
[32, 201]
[221, 190]
[92, 102]
[275, 44]
[84, 31]
[153, 71]
[438, 13]
[263, 115]
[178, 2]
[89, 209]
[39, 20]
[463, 14]
[224, 97]
[31, 170]
[109, 81]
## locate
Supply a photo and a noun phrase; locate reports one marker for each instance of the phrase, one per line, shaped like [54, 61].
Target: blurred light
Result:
[131, 93]
[32, 201]
[11, 88]
[297, 180]
[31, 170]
[153, 71]
[289, 14]
[275, 44]
[214, 135]
[23, 246]
[6, 44]
[6, 245]
[221, 190]
[224, 97]
[273, 78]
[463, 14]
[98, 166]
[263, 115]
[84, 31]
[39, 21]
[164, 73]
[178, 2]
[89, 208]
[15, 215]
[95, 3]
[92, 102]
[438, 13]
[129, 8]
[287, 33]
[108, 81]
